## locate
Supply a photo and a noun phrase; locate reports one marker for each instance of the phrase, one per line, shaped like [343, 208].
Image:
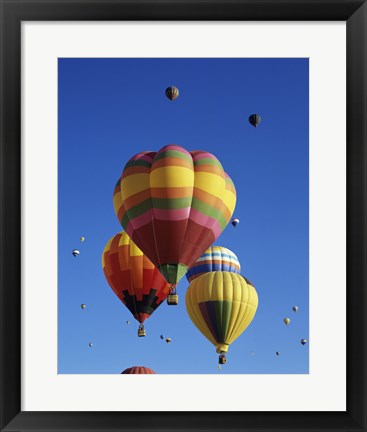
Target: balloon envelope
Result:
[215, 258]
[172, 92]
[174, 204]
[254, 119]
[133, 277]
[287, 321]
[235, 222]
[221, 305]
[138, 370]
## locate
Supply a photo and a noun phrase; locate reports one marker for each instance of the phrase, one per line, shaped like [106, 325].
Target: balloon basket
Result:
[142, 332]
[172, 299]
[222, 359]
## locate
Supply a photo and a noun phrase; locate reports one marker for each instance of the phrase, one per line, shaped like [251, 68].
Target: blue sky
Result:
[110, 109]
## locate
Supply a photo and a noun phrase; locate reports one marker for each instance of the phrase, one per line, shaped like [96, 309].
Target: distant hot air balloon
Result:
[83, 306]
[174, 204]
[128, 322]
[75, 252]
[215, 258]
[172, 92]
[295, 308]
[90, 344]
[287, 321]
[221, 305]
[168, 340]
[277, 353]
[254, 120]
[82, 238]
[162, 337]
[235, 222]
[138, 370]
[134, 279]
[303, 341]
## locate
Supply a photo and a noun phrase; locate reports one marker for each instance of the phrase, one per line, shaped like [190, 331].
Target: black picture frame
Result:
[13, 12]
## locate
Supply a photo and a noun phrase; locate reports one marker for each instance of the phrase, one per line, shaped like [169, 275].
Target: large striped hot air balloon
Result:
[133, 277]
[216, 258]
[221, 305]
[138, 370]
[174, 204]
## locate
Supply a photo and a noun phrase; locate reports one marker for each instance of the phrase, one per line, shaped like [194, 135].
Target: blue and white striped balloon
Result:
[216, 258]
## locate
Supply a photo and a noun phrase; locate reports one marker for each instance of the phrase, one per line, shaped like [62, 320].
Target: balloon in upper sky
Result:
[174, 204]
[134, 279]
[172, 92]
[221, 305]
[75, 252]
[216, 258]
[254, 120]
[82, 238]
[287, 321]
[235, 222]
[90, 344]
[168, 340]
[83, 306]
[138, 370]
[303, 341]
[295, 308]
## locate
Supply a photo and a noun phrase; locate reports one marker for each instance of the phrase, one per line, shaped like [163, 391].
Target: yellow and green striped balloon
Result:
[174, 204]
[221, 305]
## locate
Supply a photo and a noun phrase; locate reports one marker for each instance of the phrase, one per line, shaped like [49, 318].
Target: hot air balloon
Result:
[295, 308]
[75, 252]
[82, 239]
[235, 222]
[127, 322]
[221, 305]
[174, 204]
[83, 306]
[254, 120]
[138, 370]
[90, 344]
[215, 258]
[172, 92]
[168, 340]
[277, 353]
[134, 279]
[287, 321]
[303, 341]
[162, 337]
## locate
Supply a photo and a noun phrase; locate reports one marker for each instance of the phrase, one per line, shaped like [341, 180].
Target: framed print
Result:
[133, 136]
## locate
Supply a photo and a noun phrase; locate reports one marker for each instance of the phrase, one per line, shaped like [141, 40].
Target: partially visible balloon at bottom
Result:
[138, 370]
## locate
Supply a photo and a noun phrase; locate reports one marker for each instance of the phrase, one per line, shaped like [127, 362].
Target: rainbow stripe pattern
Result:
[174, 204]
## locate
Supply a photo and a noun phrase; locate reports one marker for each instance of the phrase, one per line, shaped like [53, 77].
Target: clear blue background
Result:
[109, 109]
